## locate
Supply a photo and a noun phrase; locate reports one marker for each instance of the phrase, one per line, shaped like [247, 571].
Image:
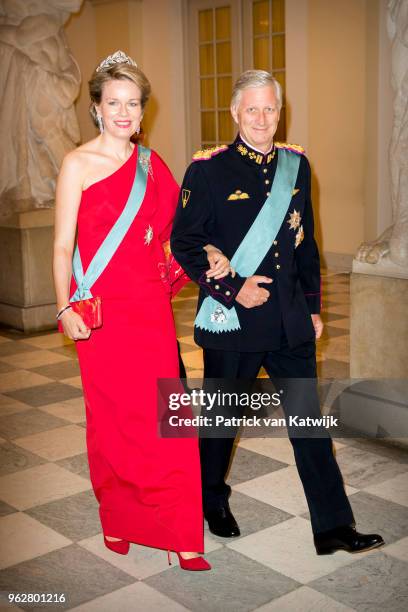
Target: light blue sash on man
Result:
[117, 233]
[256, 243]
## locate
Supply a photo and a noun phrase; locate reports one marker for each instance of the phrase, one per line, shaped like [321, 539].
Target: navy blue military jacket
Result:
[221, 195]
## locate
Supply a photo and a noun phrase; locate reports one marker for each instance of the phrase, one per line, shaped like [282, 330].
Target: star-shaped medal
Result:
[294, 220]
[148, 235]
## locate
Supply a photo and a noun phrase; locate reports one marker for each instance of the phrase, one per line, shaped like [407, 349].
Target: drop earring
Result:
[100, 123]
[139, 126]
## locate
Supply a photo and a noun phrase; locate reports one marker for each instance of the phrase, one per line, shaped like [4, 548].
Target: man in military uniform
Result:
[251, 199]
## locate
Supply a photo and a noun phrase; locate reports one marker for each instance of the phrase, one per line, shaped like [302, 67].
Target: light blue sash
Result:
[117, 233]
[256, 243]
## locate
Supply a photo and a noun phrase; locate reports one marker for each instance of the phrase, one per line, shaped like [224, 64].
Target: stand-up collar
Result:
[252, 155]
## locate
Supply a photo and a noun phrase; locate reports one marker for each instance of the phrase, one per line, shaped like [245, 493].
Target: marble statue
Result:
[393, 243]
[39, 81]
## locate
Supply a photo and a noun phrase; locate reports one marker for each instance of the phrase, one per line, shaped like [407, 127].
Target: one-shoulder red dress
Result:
[148, 488]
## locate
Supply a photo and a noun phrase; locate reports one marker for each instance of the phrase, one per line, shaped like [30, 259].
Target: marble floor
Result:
[49, 528]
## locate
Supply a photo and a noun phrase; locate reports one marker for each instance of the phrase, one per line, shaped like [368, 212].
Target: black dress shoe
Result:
[346, 538]
[221, 522]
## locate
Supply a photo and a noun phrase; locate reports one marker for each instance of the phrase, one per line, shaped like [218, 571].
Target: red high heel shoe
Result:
[196, 564]
[118, 546]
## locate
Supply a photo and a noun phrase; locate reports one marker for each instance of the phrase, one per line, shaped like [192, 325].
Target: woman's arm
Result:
[68, 197]
[219, 263]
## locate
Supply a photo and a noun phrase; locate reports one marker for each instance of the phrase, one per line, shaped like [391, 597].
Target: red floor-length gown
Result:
[148, 488]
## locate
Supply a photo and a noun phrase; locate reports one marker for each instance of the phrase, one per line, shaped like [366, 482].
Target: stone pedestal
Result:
[376, 408]
[377, 405]
[27, 299]
[378, 321]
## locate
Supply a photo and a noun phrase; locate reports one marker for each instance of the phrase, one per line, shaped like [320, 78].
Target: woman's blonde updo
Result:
[120, 71]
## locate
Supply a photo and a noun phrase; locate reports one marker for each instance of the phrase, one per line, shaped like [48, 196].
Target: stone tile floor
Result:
[49, 527]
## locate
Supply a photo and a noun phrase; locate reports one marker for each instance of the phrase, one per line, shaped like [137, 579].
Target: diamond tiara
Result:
[119, 57]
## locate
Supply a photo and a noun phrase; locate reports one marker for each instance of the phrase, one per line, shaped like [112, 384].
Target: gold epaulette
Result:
[209, 153]
[290, 147]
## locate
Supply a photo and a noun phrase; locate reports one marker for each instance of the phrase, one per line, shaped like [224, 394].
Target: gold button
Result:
[267, 182]
[275, 242]
[217, 286]
[276, 254]
[208, 280]
[228, 293]
[265, 170]
[278, 267]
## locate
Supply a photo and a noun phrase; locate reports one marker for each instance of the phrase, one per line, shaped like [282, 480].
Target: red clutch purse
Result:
[90, 311]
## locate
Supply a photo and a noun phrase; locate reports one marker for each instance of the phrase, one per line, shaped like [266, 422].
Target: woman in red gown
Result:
[148, 488]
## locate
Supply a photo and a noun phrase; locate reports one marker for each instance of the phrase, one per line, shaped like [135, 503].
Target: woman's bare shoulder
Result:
[83, 155]
[81, 162]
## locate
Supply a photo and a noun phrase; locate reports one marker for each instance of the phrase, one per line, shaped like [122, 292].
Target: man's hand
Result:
[317, 324]
[251, 295]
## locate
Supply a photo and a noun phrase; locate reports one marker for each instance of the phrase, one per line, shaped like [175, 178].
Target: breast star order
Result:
[294, 220]
[148, 235]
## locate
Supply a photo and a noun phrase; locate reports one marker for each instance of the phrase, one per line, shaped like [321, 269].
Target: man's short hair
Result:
[255, 78]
